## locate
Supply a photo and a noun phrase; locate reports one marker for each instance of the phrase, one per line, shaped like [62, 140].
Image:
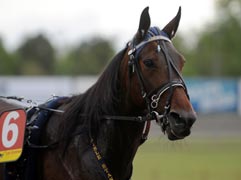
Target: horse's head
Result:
[155, 82]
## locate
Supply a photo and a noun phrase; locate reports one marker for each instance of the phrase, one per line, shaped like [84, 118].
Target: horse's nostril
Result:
[183, 120]
[191, 120]
[179, 122]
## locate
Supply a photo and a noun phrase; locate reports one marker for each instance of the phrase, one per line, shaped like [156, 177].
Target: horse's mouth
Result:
[174, 135]
[177, 128]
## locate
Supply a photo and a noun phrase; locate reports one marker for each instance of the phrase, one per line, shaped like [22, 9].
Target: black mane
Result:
[101, 99]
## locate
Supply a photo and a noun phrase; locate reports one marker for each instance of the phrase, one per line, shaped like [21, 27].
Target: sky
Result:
[67, 22]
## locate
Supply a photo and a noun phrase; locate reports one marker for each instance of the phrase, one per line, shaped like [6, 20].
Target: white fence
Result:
[41, 88]
[207, 95]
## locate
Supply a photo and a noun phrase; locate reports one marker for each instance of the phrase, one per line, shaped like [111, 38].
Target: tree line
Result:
[215, 53]
[218, 49]
[37, 56]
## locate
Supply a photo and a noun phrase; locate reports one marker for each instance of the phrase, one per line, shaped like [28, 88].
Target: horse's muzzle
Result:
[179, 125]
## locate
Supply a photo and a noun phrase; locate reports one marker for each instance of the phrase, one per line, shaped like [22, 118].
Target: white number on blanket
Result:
[10, 130]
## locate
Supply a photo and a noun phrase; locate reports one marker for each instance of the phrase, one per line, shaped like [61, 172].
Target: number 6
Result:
[10, 127]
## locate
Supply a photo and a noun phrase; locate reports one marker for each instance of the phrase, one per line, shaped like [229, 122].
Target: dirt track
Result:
[211, 126]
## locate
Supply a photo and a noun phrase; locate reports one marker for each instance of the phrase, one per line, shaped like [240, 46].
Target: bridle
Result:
[153, 97]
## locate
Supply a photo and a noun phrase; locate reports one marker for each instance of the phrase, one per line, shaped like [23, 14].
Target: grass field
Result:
[191, 159]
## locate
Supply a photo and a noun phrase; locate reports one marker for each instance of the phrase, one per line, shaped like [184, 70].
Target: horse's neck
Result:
[119, 141]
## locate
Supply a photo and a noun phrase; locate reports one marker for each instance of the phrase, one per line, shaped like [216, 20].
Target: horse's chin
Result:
[173, 135]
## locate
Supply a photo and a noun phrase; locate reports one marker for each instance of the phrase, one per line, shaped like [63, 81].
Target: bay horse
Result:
[98, 132]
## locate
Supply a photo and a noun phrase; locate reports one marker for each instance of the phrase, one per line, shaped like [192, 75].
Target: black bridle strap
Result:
[143, 43]
[169, 98]
[139, 119]
[171, 64]
[140, 78]
[161, 90]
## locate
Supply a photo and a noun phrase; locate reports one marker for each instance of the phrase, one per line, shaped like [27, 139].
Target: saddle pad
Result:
[26, 167]
[12, 129]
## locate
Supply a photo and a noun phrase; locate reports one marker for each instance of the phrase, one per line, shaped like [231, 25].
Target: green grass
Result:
[188, 160]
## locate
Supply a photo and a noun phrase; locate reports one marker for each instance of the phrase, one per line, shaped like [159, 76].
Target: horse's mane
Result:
[87, 109]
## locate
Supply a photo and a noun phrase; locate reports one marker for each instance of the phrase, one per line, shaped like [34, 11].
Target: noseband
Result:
[153, 97]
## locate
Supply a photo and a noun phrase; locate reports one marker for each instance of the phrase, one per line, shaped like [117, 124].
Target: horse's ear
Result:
[144, 25]
[171, 27]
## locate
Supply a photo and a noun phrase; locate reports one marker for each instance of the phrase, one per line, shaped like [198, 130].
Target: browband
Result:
[154, 38]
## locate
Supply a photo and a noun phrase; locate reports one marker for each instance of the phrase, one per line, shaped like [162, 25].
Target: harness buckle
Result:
[156, 116]
[143, 94]
[154, 102]
[139, 118]
[131, 63]
[167, 106]
[130, 52]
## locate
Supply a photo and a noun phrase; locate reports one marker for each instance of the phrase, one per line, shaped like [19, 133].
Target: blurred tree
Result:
[36, 56]
[89, 57]
[218, 49]
[217, 52]
[7, 61]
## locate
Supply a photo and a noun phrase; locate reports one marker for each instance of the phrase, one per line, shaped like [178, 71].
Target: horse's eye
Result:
[149, 63]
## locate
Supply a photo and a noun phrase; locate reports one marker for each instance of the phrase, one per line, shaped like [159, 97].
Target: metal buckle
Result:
[157, 116]
[154, 102]
[139, 118]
